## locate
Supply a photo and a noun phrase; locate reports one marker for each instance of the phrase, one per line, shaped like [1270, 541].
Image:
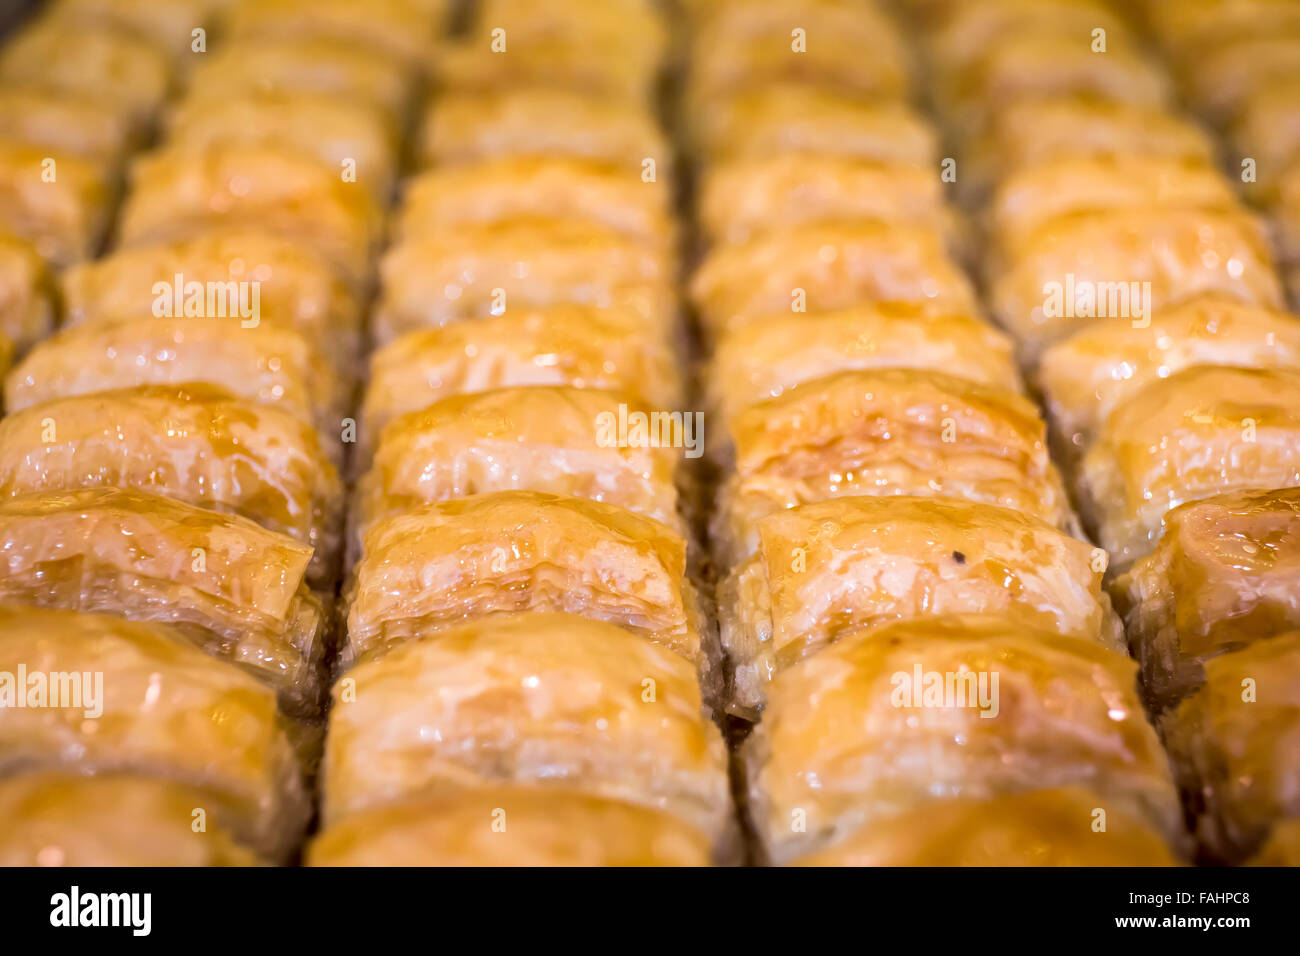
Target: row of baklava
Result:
[169, 465]
[527, 664]
[905, 600]
[1148, 313]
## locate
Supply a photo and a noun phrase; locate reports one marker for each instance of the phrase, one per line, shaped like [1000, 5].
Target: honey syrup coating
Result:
[775, 355]
[1234, 743]
[844, 740]
[834, 266]
[549, 699]
[1182, 253]
[176, 193]
[1050, 827]
[526, 263]
[1205, 430]
[26, 313]
[195, 443]
[1084, 378]
[233, 588]
[888, 432]
[268, 364]
[296, 288]
[823, 569]
[511, 826]
[555, 439]
[581, 346]
[443, 563]
[65, 217]
[164, 708]
[1221, 578]
[62, 819]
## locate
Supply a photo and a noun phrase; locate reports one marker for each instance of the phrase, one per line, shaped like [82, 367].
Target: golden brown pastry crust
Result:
[542, 438]
[195, 443]
[887, 432]
[739, 198]
[398, 30]
[176, 194]
[1282, 848]
[550, 699]
[773, 355]
[795, 118]
[164, 708]
[232, 587]
[536, 187]
[58, 819]
[332, 67]
[1054, 827]
[1182, 253]
[843, 742]
[271, 365]
[339, 134]
[824, 568]
[521, 264]
[473, 127]
[440, 564]
[511, 826]
[1205, 430]
[25, 310]
[834, 265]
[296, 287]
[1234, 743]
[1086, 377]
[63, 125]
[582, 346]
[1222, 577]
[59, 202]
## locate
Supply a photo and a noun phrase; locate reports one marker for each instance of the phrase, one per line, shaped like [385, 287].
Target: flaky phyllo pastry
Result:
[1050, 827]
[1086, 377]
[439, 564]
[472, 127]
[1083, 266]
[1034, 130]
[25, 310]
[143, 700]
[1234, 744]
[826, 266]
[253, 279]
[196, 443]
[1201, 431]
[864, 729]
[59, 202]
[489, 269]
[177, 193]
[343, 136]
[64, 125]
[272, 365]
[772, 356]
[795, 118]
[551, 699]
[1032, 196]
[582, 346]
[554, 439]
[510, 826]
[823, 569]
[537, 187]
[740, 198]
[1221, 578]
[122, 72]
[57, 818]
[888, 432]
[305, 64]
[230, 586]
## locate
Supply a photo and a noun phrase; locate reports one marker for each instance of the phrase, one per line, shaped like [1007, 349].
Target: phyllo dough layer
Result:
[511, 826]
[551, 699]
[149, 703]
[890, 718]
